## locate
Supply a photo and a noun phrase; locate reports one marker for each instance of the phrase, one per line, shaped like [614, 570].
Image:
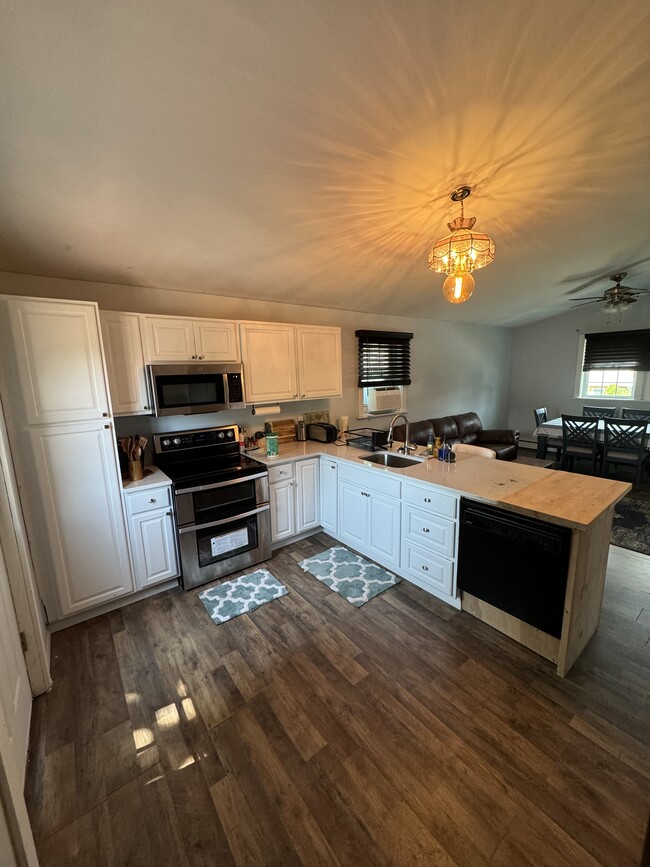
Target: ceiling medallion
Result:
[461, 252]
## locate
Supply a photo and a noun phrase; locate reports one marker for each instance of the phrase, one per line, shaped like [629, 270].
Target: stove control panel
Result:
[191, 439]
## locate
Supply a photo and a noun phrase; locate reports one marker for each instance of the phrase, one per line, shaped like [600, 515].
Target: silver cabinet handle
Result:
[145, 407]
[425, 529]
[425, 568]
[104, 415]
[332, 466]
[170, 514]
[107, 427]
[427, 500]
[152, 500]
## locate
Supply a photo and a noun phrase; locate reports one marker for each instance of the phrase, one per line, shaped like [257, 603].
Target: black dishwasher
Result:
[515, 563]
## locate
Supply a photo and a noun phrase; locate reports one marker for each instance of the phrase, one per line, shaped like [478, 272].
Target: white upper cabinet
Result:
[319, 361]
[290, 362]
[269, 356]
[125, 363]
[171, 338]
[58, 355]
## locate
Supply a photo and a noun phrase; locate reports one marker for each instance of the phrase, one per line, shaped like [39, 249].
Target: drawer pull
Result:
[170, 514]
[425, 529]
[427, 499]
[425, 568]
[152, 500]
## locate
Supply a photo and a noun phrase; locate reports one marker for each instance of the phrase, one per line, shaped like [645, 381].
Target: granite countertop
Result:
[568, 499]
[155, 478]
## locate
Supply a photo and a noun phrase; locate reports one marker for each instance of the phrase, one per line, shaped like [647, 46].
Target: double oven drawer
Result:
[223, 527]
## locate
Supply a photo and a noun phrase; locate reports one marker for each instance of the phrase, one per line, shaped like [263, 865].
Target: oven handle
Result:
[194, 527]
[220, 484]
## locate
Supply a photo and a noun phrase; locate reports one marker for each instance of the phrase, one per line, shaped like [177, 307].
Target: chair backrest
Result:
[625, 436]
[579, 431]
[641, 414]
[477, 451]
[599, 411]
[541, 415]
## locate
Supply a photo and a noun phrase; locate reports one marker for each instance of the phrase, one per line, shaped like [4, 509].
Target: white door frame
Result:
[22, 581]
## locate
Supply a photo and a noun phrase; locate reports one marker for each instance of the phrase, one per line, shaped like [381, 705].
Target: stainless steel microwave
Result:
[189, 389]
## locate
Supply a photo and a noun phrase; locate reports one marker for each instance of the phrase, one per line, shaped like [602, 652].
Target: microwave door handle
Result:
[194, 527]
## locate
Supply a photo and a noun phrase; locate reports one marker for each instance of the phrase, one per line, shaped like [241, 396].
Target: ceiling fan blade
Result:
[584, 303]
[590, 298]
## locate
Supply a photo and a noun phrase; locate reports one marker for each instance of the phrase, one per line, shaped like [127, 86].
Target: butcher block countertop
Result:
[568, 499]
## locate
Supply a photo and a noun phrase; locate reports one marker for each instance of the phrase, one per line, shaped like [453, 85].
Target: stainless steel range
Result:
[222, 502]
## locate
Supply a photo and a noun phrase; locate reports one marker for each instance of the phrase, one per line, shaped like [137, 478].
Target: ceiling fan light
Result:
[458, 287]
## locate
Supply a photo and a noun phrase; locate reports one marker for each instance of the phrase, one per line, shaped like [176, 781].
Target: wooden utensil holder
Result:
[136, 470]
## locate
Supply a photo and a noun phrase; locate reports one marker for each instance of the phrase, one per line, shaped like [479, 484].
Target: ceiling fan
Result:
[617, 298]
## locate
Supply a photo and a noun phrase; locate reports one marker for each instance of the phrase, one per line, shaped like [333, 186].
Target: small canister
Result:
[272, 445]
[301, 431]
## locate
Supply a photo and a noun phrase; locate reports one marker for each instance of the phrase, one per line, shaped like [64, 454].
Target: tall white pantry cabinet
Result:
[62, 436]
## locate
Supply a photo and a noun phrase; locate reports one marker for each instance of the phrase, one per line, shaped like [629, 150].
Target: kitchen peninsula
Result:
[583, 504]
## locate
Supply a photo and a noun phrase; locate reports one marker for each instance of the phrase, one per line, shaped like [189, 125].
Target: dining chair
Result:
[640, 414]
[624, 443]
[545, 442]
[599, 411]
[476, 451]
[580, 440]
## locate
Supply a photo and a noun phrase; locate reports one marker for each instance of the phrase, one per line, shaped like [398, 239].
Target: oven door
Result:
[183, 389]
[210, 551]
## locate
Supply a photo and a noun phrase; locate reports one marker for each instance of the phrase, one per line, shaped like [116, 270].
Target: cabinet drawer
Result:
[427, 568]
[371, 479]
[148, 501]
[430, 531]
[280, 473]
[431, 500]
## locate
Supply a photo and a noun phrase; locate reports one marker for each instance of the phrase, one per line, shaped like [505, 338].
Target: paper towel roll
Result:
[267, 410]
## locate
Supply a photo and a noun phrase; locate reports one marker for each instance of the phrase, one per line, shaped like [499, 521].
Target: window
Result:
[384, 371]
[615, 365]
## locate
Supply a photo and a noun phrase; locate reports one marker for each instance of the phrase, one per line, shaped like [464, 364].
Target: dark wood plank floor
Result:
[314, 733]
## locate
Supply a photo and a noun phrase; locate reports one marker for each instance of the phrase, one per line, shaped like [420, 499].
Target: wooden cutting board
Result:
[285, 428]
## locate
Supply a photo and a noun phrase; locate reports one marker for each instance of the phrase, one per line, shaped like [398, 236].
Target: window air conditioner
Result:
[384, 399]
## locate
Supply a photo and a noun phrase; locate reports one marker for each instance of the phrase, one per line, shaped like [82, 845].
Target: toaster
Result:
[321, 433]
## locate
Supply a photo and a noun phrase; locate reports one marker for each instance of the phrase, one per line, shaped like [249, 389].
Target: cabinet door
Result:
[125, 363]
[79, 490]
[59, 361]
[328, 496]
[269, 358]
[283, 519]
[307, 499]
[354, 515]
[153, 540]
[319, 361]
[168, 339]
[384, 536]
[215, 340]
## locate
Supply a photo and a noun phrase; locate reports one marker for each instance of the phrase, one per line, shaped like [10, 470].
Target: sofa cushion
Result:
[445, 428]
[468, 424]
[419, 432]
[505, 451]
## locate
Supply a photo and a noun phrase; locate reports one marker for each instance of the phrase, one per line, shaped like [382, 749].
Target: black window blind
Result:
[384, 358]
[626, 349]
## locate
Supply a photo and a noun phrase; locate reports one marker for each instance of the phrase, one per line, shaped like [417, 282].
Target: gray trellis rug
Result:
[241, 595]
[355, 578]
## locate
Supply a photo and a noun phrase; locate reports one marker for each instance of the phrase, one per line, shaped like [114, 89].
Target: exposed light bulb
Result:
[458, 287]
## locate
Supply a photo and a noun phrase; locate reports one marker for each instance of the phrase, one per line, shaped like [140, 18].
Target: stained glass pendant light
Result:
[461, 253]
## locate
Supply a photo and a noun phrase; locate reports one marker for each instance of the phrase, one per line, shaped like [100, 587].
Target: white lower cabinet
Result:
[77, 484]
[329, 484]
[294, 497]
[369, 514]
[429, 539]
[152, 533]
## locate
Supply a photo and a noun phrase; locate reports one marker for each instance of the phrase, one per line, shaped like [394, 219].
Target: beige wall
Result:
[455, 368]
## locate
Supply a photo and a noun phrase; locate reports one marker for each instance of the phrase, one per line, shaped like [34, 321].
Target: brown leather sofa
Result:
[463, 428]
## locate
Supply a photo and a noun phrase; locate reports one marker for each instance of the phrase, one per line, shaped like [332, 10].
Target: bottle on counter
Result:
[242, 438]
[441, 450]
[436, 447]
[430, 445]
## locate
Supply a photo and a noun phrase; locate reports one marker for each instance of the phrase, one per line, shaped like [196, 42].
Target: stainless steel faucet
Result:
[407, 447]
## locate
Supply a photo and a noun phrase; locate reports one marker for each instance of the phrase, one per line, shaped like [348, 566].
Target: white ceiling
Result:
[304, 150]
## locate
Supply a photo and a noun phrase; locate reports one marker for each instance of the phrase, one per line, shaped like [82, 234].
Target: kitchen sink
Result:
[388, 459]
